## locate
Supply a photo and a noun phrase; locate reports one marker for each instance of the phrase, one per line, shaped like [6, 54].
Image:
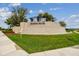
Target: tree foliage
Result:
[47, 16]
[0, 28]
[18, 15]
[62, 23]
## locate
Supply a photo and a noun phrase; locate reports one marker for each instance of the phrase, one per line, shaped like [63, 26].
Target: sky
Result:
[67, 12]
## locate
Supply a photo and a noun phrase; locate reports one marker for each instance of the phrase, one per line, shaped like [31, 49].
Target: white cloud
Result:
[73, 16]
[5, 9]
[55, 9]
[61, 19]
[15, 4]
[73, 19]
[31, 11]
[4, 13]
[41, 11]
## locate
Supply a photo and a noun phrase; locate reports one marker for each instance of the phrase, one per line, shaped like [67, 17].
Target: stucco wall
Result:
[16, 29]
[47, 28]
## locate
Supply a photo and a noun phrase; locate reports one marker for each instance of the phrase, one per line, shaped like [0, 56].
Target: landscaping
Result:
[38, 43]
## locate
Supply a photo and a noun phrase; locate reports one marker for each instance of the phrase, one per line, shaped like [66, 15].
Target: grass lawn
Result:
[37, 43]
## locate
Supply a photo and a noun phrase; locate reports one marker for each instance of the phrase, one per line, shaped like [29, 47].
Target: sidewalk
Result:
[8, 47]
[69, 51]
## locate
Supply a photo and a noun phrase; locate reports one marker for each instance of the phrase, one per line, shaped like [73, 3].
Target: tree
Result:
[62, 23]
[0, 28]
[47, 16]
[40, 15]
[18, 15]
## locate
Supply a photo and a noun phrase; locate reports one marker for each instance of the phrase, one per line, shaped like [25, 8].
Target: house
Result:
[40, 26]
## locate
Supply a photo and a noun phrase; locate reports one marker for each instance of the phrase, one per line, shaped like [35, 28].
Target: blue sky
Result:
[68, 12]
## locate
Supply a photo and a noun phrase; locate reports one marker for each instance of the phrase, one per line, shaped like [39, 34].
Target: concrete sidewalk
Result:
[69, 51]
[8, 47]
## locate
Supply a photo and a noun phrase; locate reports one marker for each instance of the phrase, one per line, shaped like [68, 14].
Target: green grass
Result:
[37, 43]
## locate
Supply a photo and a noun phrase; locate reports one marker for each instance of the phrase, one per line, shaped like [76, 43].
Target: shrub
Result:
[62, 23]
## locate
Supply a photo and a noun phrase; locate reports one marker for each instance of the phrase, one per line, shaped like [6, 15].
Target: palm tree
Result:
[18, 15]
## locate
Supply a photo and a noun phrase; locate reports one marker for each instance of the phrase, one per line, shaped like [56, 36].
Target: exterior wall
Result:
[47, 28]
[23, 26]
[16, 29]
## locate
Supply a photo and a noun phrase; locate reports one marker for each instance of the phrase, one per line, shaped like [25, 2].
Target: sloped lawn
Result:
[37, 43]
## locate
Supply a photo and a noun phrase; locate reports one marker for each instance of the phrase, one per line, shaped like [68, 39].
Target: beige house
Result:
[39, 27]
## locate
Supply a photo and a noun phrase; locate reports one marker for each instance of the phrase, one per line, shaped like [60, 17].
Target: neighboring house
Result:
[40, 26]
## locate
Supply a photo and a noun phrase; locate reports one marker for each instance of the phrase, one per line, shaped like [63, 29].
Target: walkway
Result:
[9, 48]
[69, 51]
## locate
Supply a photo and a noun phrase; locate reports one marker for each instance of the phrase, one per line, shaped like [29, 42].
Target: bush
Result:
[62, 23]
[69, 30]
[7, 31]
[0, 28]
